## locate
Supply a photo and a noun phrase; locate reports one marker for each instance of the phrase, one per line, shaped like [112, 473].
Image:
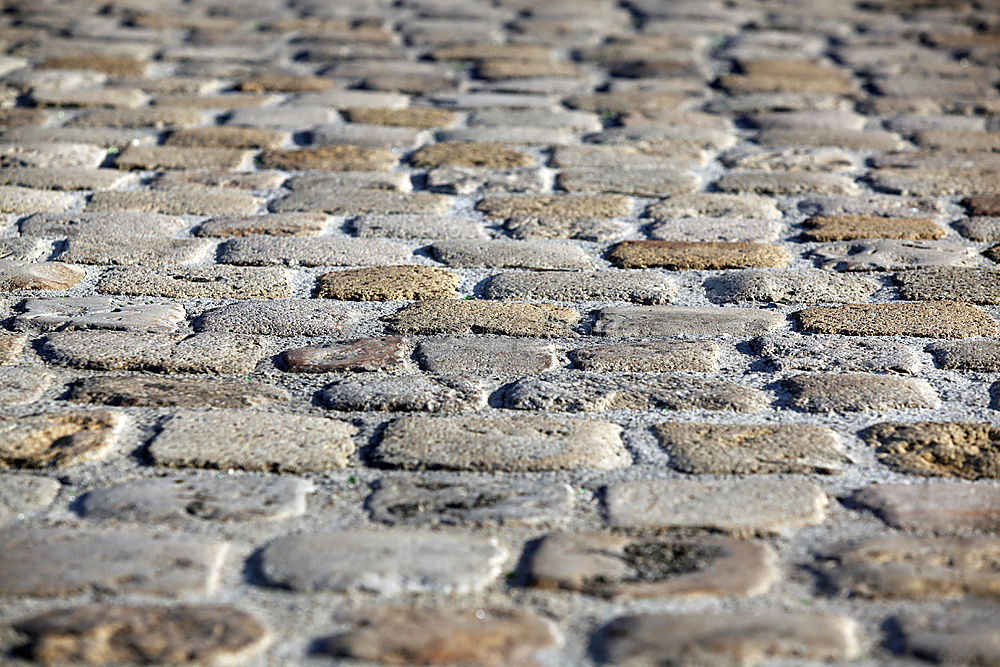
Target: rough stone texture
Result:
[47, 562]
[891, 255]
[468, 180]
[654, 356]
[68, 225]
[117, 634]
[22, 495]
[160, 353]
[514, 444]
[679, 255]
[443, 636]
[646, 321]
[649, 287]
[792, 352]
[919, 568]
[960, 639]
[935, 506]
[294, 251]
[275, 224]
[159, 391]
[639, 182]
[536, 227]
[22, 385]
[457, 502]
[510, 254]
[855, 392]
[738, 506]
[848, 227]
[950, 284]
[329, 158]
[389, 283]
[593, 392]
[253, 441]
[388, 563]
[808, 286]
[180, 200]
[484, 317]
[468, 154]
[178, 499]
[715, 205]
[465, 356]
[622, 567]
[937, 449]
[197, 282]
[943, 319]
[405, 393]
[556, 207]
[279, 317]
[11, 346]
[416, 227]
[731, 449]
[967, 355]
[728, 639]
[56, 439]
[351, 201]
[716, 230]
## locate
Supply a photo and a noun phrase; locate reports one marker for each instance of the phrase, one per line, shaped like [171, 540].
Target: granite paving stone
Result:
[405, 393]
[980, 286]
[16, 276]
[389, 563]
[108, 634]
[416, 227]
[662, 321]
[293, 251]
[513, 444]
[468, 180]
[530, 227]
[680, 255]
[160, 391]
[649, 287]
[491, 357]
[278, 317]
[963, 638]
[803, 286]
[22, 384]
[118, 224]
[196, 282]
[389, 283]
[135, 251]
[654, 356]
[715, 230]
[14, 199]
[640, 182]
[936, 506]
[255, 441]
[845, 228]
[922, 319]
[180, 200]
[349, 201]
[364, 354]
[787, 352]
[462, 253]
[65, 178]
[56, 439]
[329, 158]
[891, 255]
[967, 355]
[556, 207]
[857, 392]
[444, 316]
[340, 180]
[273, 224]
[21, 495]
[11, 346]
[715, 205]
[966, 450]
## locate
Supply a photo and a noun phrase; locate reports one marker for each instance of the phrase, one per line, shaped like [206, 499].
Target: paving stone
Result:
[346, 180]
[740, 506]
[524, 443]
[405, 393]
[957, 140]
[576, 121]
[484, 317]
[715, 205]
[469, 180]
[187, 392]
[843, 228]
[951, 639]
[52, 440]
[22, 249]
[596, 392]
[223, 137]
[286, 83]
[26, 200]
[421, 117]
[556, 207]
[89, 97]
[172, 499]
[369, 136]
[329, 158]
[279, 317]
[257, 441]
[106, 137]
[118, 634]
[950, 284]
[822, 159]
[68, 225]
[51, 155]
[534, 227]
[213, 282]
[470, 154]
[979, 229]
[935, 159]
[65, 178]
[22, 385]
[21, 495]
[640, 182]
[737, 449]
[989, 206]
[389, 283]
[846, 139]
[485, 357]
[802, 286]
[658, 356]
[417, 227]
[787, 183]
[917, 568]
[48, 562]
[191, 200]
[432, 502]
[11, 346]
[944, 319]
[289, 117]
[363, 354]
[510, 254]
[387, 563]
[623, 156]
[937, 449]
[855, 392]
[349, 201]
[681, 255]
[715, 230]
[891, 254]
[171, 157]
[295, 251]
[616, 566]
[134, 251]
[935, 182]
[728, 639]
[878, 205]
[935, 506]
[967, 355]
[656, 321]
[160, 353]
[443, 636]
[788, 352]
[272, 224]
[639, 286]
[39, 276]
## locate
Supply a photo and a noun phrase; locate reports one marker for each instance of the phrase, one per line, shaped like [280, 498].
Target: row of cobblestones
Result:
[500, 332]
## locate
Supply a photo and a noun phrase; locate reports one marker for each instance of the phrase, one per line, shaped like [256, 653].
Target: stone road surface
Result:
[500, 332]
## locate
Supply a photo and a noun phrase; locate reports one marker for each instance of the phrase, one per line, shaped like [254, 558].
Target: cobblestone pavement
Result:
[500, 332]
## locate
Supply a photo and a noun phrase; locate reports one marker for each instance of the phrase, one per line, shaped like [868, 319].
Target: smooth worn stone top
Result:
[943, 319]
[510, 444]
[934, 506]
[557, 207]
[20, 495]
[489, 357]
[99, 313]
